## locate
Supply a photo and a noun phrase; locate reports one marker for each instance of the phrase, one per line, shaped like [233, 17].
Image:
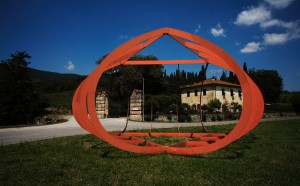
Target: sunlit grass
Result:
[268, 155]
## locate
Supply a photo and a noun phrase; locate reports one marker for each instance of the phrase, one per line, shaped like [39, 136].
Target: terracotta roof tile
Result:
[211, 82]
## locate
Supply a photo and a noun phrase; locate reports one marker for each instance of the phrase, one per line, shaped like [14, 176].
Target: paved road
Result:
[70, 128]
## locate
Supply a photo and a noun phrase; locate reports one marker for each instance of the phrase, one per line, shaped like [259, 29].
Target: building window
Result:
[223, 92]
[240, 94]
[231, 93]
[204, 92]
[188, 93]
[196, 93]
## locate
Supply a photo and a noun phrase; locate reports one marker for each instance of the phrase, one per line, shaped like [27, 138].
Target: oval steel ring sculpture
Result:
[84, 99]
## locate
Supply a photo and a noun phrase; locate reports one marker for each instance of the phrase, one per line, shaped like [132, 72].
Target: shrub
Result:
[184, 118]
[230, 116]
[204, 117]
[295, 101]
[188, 118]
[219, 118]
[225, 108]
[169, 117]
[147, 118]
[181, 118]
[214, 104]
[213, 118]
[204, 107]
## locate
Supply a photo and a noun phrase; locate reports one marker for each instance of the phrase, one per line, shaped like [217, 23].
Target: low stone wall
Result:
[277, 115]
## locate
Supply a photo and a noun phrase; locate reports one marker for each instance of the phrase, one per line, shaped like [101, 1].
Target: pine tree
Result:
[245, 67]
[230, 77]
[202, 74]
[19, 102]
[223, 76]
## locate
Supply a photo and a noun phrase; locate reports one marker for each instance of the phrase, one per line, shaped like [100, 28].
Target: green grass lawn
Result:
[268, 155]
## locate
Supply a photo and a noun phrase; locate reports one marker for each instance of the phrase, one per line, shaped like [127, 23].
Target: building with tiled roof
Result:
[226, 92]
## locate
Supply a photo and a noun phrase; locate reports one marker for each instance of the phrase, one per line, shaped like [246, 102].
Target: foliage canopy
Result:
[19, 101]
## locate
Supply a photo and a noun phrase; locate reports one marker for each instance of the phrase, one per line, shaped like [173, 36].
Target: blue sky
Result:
[69, 36]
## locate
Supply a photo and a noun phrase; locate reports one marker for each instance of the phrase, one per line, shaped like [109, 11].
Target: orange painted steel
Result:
[84, 99]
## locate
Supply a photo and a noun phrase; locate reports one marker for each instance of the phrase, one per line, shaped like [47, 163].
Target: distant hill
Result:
[46, 82]
[40, 75]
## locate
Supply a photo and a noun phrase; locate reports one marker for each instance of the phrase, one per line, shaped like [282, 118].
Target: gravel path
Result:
[70, 128]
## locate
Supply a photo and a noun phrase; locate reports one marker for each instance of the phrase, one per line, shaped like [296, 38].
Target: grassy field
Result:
[268, 155]
[59, 99]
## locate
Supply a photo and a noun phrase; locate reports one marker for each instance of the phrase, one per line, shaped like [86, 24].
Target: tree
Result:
[223, 76]
[236, 107]
[232, 78]
[120, 81]
[295, 102]
[269, 82]
[98, 61]
[225, 107]
[214, 104]
[19, 102]
[202, 73]
[245, 68]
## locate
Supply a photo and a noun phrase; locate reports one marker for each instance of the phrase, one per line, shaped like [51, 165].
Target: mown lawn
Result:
[268, 155]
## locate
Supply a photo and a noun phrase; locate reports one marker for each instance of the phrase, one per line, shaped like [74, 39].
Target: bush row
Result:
[187, 118]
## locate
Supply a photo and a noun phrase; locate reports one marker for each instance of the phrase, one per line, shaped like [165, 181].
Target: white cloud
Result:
[237, 43]
[197, 29]
[279, 23]
[279, 3]
[123, 37]
[293, 30]
[274, 39]
[253, 16]
[252, 47]
[218, 31]
[270, 23]
[70, 66]
[262, 15]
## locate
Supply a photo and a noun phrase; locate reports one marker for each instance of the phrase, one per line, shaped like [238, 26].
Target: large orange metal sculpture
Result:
[84, 98]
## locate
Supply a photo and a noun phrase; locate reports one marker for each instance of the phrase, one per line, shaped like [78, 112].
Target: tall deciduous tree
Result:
[19, 102]
[269, 82]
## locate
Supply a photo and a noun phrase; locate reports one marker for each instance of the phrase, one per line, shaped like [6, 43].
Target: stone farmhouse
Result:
[226, 92]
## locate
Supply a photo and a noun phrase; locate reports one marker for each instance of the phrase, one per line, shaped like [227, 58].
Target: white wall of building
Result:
[212, 92]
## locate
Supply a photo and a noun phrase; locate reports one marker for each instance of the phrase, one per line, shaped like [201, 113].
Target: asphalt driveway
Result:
[71, 127]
